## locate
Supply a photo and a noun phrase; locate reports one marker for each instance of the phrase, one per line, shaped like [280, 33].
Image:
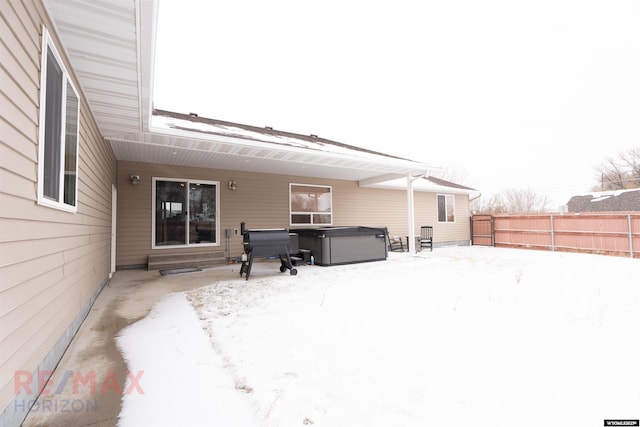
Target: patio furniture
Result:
[395, 243]
[426, 237]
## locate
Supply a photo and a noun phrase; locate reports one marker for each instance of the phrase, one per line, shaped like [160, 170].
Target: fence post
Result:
[493, 232]
[553, 238]
[630, 236]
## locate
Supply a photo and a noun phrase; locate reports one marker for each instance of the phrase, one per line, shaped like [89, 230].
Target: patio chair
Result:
[395, 243]
[426, 237]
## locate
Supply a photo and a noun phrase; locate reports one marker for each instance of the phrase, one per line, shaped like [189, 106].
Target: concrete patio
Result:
[87, 385]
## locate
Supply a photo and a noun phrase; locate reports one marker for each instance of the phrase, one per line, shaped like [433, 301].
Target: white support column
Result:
[412, 235]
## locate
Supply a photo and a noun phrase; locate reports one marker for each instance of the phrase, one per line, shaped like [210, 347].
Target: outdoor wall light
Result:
[135, 179]
[233, 185]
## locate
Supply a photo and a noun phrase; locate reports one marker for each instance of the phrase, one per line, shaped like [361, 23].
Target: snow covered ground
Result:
[467, 336]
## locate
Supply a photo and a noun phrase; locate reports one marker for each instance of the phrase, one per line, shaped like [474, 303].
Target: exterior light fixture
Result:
[233, 185]
[134, 179]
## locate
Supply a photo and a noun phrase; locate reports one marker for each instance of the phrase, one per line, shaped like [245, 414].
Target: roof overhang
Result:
[111, 46]
[422, 184]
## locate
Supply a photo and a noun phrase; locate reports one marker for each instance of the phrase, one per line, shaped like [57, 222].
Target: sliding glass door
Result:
[186, 212]
[202, 213]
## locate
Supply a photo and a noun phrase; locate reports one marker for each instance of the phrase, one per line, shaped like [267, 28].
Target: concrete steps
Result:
[185, 259]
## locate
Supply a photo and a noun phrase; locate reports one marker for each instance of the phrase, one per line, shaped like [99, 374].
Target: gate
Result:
[482, 230]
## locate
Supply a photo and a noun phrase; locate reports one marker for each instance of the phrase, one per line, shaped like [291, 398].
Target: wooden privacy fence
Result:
[600, 233]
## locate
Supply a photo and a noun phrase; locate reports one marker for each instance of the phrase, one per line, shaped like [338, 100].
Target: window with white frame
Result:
[58, 133]
[446, 207]
[310, 204]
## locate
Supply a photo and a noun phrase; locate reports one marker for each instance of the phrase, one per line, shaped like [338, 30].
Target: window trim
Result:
[187, 181]
[453, 197]
[49, 45]
[291, 213]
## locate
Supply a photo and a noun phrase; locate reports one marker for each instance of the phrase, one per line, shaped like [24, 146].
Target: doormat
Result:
[179, 270]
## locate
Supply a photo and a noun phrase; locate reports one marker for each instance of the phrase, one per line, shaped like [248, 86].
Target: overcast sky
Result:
[509, 94]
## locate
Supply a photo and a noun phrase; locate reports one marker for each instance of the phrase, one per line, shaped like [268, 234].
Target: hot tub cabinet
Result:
[344, 245]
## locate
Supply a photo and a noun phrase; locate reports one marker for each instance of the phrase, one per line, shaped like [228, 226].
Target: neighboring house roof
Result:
[606, 201]
[111, 47]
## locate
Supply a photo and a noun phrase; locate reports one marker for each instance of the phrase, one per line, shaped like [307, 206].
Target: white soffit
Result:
[110, 45]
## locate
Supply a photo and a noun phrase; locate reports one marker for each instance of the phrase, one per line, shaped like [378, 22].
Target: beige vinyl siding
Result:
[452, 231]
[262, 201]
[51, 262]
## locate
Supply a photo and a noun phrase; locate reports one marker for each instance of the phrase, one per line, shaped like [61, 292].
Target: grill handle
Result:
[243, 228]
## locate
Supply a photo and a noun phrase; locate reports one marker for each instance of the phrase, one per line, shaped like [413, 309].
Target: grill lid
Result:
[267, 237]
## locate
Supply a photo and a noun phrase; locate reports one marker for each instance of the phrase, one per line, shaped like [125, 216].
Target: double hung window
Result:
[446, 208]
[58, 132]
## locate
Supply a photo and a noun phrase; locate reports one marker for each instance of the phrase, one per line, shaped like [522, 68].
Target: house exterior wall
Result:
[262, 201]
[52, 263]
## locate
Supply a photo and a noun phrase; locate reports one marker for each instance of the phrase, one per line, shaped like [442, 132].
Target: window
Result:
[58, 138]
[446, 208]
[185, 212]
[310, 204]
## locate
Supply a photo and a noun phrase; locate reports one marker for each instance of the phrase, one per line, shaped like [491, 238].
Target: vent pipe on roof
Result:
[313, 135]
[193, 114]
[268, 127]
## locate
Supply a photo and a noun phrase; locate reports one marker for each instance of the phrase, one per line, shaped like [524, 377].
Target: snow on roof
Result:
[603, 201]
[608, 193]
[163, 119]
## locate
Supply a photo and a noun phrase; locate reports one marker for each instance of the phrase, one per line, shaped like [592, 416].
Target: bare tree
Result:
[512, 200]
[488, 205]
[620, 172]
[452, 174]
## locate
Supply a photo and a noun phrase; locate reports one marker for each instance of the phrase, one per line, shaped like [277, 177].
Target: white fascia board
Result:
[369, 182]
[147, 23]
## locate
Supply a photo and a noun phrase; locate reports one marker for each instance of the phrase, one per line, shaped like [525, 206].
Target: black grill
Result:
[268, 243]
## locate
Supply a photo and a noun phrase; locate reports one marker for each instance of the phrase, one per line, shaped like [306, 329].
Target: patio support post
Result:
[412, 235]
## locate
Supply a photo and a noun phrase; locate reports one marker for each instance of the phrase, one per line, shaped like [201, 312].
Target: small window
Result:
[310, 204]
[446, 208]
[58, 138]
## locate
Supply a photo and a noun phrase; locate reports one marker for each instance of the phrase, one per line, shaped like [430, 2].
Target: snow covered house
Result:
[93, 180]
[606, 201]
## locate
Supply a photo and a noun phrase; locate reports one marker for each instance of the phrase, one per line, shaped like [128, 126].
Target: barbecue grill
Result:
[268, 243]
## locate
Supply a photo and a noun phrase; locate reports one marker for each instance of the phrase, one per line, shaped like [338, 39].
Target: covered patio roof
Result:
[190, 140]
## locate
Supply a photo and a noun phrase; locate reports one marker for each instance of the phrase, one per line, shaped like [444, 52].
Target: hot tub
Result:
[344, 245]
